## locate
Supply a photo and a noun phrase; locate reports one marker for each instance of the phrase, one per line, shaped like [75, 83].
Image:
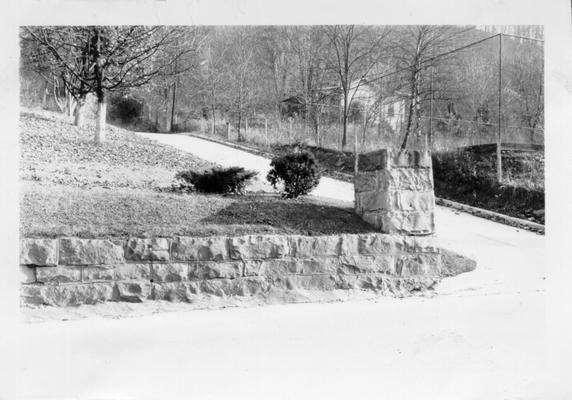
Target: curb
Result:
[478, 212]
[493, 216]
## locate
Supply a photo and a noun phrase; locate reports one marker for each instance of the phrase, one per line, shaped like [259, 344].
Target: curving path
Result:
[482, 337]
[510, 259]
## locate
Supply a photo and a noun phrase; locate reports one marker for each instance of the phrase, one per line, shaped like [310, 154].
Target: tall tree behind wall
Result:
[113, 58]
[241, 72]
[309, 49]
[413, 47]
[355, 52]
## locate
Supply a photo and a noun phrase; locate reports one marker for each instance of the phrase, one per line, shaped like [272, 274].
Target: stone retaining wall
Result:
[394, 191]
[73, 271]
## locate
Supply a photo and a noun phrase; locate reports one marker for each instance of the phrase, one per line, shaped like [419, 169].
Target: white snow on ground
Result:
[482, 336]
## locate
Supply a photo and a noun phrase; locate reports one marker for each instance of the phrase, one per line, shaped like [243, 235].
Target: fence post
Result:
[245, 128]
[499, 137]
[227, 130]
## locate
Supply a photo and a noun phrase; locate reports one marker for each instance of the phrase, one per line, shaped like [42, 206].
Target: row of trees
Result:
[231, 72]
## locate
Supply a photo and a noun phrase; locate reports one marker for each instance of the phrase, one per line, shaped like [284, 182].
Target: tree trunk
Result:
[79, 113]
[173, 105]
[355, 150]
[101, 106]
[70, 104]
[408, 126]
[318, 138]
[100, 120]
[213, 128]
[239, 138]
[345, 123]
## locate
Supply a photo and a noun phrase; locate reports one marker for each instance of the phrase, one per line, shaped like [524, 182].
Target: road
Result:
[481, 337]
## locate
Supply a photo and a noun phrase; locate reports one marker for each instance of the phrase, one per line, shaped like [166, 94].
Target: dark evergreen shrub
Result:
[124, 109]
[217, 180]
[298, 172]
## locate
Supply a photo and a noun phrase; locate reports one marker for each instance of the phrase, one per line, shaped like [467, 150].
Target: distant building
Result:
[388, 110]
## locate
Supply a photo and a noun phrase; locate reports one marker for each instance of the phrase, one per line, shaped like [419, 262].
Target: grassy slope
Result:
[71, 186]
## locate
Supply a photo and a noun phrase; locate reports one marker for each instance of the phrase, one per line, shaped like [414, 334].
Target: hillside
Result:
[70, 186]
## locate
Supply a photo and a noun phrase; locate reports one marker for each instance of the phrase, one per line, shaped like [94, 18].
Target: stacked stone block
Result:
[394, 191]
[73, 271]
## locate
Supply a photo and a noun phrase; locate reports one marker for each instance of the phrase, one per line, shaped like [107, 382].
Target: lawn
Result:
[72, 187]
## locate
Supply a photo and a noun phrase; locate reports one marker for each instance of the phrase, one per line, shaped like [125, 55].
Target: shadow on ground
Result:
[301, 216]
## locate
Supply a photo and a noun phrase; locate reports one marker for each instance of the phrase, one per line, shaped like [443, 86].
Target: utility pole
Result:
[499, 137]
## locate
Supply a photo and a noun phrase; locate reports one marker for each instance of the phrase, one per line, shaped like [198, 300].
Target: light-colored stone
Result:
[322, 282]
[133, 291]
[27, 274]
[366, 264]
[375, 244]
[176, 291]
[251, 286]
[418, 244]
[40, 252]
[374, 201]
[421, 223]
[273, 267]
[420, 179]
[315, 246]
[410, 200]
[200, 249]
[148, 249]
[426, 264]
[258, 247]
[98, 274]
[57, 275]
[75, 251]
[215, 270]
[124, 272]
[402, 200]
[66, 295]
[173, 272]
[216, 287]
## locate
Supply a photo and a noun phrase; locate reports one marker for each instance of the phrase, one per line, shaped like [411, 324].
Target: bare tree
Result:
[241, 72]
[100, 60]
[214, 83]
[414, 49]
[308, 47]
[356, 50]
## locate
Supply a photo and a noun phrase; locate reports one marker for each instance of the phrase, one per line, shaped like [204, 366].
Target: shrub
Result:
[217, 180]
[123, 109]
[298, 172]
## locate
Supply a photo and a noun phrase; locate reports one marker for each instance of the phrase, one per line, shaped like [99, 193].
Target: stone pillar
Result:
[394, 191]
